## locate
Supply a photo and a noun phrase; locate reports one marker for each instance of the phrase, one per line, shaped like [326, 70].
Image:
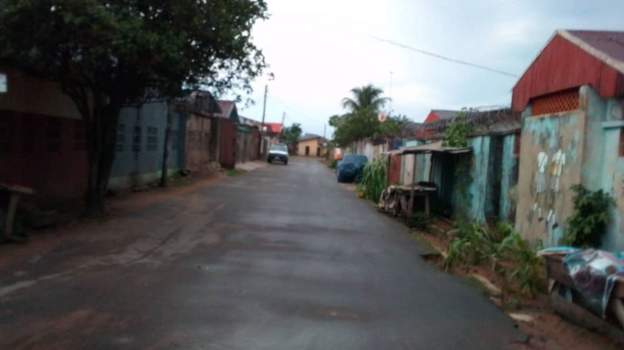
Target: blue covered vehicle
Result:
[350, 168]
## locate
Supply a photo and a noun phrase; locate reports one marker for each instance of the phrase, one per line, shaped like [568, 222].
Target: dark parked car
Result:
[278, 152]
[350, 168]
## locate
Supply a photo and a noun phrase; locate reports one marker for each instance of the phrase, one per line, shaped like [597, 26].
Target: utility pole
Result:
[324, 129]
[266, 92]
[283, 118]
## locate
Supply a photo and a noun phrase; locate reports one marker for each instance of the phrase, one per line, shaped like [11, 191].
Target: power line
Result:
[442, 57]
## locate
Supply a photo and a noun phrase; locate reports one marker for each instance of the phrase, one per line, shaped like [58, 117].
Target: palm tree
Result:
[367, 97]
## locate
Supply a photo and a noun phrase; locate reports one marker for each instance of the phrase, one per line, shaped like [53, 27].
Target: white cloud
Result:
[321, 49]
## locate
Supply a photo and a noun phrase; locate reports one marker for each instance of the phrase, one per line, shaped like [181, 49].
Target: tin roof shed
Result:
[573, 58]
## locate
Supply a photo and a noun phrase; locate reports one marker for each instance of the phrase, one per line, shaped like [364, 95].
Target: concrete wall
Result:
[603, 167]
[367, 148]
[140, 145]
[551, 161]
[472, 197]
[485, 180]
[198, 143]
[315, 146]
[312, 145]
[508, 179]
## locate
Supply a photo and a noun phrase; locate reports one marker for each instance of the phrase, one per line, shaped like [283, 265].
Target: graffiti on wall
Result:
[547, 186]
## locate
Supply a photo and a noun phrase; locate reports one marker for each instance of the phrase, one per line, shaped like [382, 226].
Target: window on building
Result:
[53, 135]
[621, 148]
[136, 139]
[152, 138]
[120, 138]
[558, 102]
[80, 136]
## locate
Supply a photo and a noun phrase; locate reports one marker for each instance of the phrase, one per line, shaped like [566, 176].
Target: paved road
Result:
[279, 258]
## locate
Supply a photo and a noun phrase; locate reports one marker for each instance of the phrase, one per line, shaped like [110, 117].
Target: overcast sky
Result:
[319, 50]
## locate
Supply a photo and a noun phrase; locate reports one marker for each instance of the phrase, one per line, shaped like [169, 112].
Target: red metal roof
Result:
[571, 59]
[440, 114]
[608, 46]
[274, 128]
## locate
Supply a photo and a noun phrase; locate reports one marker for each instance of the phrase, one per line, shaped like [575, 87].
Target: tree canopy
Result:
[106, 54]
[361, 120]
[290, 135]
[367, 98]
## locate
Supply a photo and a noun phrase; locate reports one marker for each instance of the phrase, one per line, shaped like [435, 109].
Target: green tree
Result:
[365, 99]
[105, 54]
[290, 135]
[361, 120]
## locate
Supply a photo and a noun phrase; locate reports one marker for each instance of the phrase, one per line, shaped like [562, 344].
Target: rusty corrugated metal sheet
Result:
[563, 65]
[394, 171]
[227, 143]
[45, 153]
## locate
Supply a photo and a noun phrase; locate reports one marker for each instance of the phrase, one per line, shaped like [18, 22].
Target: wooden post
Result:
[410, 211]
[388, 171]
[10, 218]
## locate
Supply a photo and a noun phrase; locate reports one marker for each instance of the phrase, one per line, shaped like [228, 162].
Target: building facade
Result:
[571, 98]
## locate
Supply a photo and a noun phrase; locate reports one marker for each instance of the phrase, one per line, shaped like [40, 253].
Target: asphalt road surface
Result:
[279, 258]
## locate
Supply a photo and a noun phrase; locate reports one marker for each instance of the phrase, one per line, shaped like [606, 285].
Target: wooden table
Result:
[14, 192]
[415, 191]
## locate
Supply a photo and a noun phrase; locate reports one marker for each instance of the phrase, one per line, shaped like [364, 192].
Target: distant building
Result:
[311, 145]
[441, 114]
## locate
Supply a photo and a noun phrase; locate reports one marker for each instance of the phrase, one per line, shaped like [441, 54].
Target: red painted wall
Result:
[45, 153]
[394, 171]
[227, 143]
[432, 117]
[563, 65]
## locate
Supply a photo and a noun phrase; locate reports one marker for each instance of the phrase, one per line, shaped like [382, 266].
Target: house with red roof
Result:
[572, 100]
[441, 114]
[273, 129]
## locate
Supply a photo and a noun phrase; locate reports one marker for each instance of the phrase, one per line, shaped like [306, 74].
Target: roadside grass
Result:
[235, 172]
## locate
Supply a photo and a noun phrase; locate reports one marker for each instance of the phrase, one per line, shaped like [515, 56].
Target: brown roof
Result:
[445, 113]
[435, 147]
[199, 102]
[226, 108]
[605, 45]
[491, 122]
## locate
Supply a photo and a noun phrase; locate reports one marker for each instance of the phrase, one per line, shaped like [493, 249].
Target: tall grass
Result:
[507, 253]
[373, 179]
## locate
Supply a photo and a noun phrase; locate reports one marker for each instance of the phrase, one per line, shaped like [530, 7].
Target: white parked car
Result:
[278, 152]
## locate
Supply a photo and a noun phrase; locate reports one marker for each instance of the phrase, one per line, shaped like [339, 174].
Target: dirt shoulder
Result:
[544, 328]
[118, 227]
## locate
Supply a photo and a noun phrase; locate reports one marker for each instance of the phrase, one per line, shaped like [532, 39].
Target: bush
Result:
[333, 164]
[373, 180]
[473, 245]
[509, 255]
[457, 133]
[419, 221]
[526, 268]
[589, 221]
